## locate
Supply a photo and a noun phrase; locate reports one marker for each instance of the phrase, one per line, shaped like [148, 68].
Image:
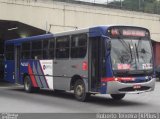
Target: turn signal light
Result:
[84, 66]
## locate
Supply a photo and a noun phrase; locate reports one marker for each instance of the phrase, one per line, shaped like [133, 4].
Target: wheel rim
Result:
[27, 84]
[79, 90]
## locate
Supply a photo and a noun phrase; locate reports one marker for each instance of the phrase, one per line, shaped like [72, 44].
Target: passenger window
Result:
[36, 51]
[45, 48]
[51, 48]
[9, 52]
[26, 46]
[25, 53]
[62, 47]
[45, 44]
[36, 45]
[78, 46]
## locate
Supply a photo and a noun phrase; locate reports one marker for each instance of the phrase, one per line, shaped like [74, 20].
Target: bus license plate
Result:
[137, 86]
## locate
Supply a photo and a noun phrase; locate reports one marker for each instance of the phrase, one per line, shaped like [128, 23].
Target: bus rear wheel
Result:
[28, 84]
[80, 91]
[117, 96]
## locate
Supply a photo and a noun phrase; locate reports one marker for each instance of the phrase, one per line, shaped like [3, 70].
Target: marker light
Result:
[84, 66]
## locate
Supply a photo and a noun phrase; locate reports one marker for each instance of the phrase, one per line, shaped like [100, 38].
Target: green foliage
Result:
[150, 6]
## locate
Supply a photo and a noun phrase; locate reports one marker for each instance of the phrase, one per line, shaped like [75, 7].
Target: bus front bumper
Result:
[116, 87]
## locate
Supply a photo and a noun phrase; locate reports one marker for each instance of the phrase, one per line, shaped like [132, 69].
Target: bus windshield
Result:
[131, 55]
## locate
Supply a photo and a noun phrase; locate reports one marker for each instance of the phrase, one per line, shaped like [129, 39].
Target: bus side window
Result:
[25, 53]
[9, 52]
[62, 47]
[78, 46]
[51, 48]
[45, 48]
[36, 51]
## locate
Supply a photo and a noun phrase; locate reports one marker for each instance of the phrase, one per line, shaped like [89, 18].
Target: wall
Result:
[65, 16]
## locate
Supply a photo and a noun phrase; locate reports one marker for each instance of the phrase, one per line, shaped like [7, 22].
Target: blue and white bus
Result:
[113, 60]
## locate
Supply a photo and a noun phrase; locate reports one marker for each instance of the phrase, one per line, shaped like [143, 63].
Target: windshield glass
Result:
[131, 54]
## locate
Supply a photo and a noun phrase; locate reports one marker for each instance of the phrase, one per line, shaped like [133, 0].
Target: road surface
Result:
[13, 99]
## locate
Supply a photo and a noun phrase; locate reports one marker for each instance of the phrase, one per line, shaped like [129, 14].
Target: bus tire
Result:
[117, 96]
[80, 91]
[28, 85]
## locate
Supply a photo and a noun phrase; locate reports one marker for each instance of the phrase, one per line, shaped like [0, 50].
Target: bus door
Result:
[96, 62]
[17, 63]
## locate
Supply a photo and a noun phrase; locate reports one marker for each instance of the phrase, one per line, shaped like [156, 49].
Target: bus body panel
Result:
[46, 68]
[109, 87]
[64, 70]
[115, 87]
[23, 70]
[9, 71]
[40, 72]
[49, 74]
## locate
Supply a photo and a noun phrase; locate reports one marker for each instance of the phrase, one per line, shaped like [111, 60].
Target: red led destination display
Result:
[128, 32]
[139, 33]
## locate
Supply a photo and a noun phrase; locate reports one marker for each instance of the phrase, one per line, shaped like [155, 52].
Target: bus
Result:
[114, 60]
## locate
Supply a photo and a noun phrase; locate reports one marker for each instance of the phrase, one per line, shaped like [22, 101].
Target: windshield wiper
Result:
[137, 53]
[124, 43]
[142, 50]
[128, 48]
[131, 52]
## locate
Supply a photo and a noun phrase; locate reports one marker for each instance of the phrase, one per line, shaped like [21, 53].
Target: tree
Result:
[151, 6]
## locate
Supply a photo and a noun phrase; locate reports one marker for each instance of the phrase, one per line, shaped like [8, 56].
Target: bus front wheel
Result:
[117, 96]
[80, 91]
[28, 84]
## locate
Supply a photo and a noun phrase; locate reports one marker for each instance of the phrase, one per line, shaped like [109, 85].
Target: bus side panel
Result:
[64, 70]
[23, 70]
[45, 68]
[62, 73]
[40, 72]
[28, 67]
[9, 71]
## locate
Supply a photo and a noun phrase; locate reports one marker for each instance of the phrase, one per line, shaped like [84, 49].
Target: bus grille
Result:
[136, 81]
[143, 88]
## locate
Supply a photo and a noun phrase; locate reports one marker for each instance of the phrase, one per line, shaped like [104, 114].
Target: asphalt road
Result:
[13, 99]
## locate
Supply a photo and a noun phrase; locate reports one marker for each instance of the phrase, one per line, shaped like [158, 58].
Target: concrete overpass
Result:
[62, 16]
[57, 16]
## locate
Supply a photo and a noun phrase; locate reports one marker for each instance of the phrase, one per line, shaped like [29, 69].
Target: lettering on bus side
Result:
[24, 64]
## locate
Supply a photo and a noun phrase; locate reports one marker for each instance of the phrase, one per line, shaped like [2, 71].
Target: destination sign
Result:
[128, 32]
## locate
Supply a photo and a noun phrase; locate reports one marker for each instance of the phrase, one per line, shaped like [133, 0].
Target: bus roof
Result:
[93, 31]
[21, 40]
